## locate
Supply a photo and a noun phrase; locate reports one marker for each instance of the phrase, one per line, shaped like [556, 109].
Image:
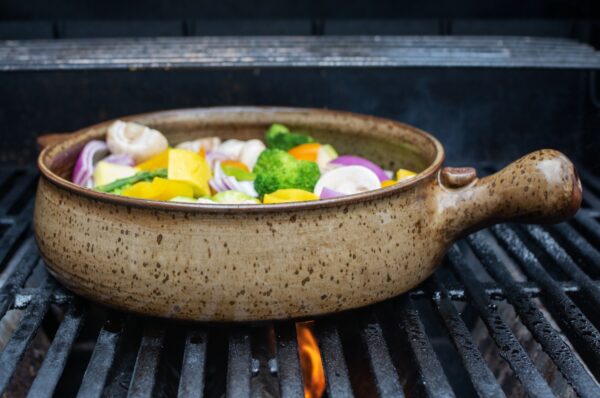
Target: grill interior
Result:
[513, 310]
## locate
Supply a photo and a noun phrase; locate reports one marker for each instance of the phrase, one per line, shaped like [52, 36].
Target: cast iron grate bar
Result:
[289, 373]
[591, 199]
[509, 347]
[433, 378]
[480, 374]
[495, 291]
[565, 262]
[295, 52]
[591, 226]
[239, 369]
[589, 179]
[17, 191]
[564, 310]
[532, 317]
[578, 244]
[191, 383]
[14, 232]
[384, 371]
[334, 364]
[19, 341]
[17, 278]
[147, 362]
[56, 358]
[101, 362]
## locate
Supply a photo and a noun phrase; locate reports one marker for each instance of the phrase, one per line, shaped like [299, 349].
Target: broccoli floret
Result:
[276, 169]
[279, 137]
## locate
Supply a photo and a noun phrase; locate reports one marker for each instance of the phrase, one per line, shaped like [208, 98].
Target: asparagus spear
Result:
[141, 176]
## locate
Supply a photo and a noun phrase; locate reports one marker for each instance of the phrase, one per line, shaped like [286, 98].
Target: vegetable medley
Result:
[137, 161]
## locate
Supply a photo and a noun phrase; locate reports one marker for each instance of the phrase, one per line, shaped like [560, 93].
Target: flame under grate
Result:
[512, 311]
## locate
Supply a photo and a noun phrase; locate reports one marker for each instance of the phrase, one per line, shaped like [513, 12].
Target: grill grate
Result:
[475, 327]
[295, 51]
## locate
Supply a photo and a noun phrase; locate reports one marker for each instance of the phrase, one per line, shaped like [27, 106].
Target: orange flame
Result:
[310, 360]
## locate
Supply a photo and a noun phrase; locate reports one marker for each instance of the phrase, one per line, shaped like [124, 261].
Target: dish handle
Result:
[541, 187]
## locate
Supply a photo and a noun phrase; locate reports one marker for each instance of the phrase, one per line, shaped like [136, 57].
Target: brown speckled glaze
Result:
[257, 262]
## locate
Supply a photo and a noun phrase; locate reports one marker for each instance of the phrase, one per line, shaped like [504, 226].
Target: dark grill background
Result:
[513, 310]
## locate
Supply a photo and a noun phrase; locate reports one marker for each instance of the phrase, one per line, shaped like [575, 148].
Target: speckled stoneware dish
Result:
[258, 262]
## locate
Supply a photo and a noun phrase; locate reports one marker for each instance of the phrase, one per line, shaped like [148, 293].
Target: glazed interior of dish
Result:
[390, 144]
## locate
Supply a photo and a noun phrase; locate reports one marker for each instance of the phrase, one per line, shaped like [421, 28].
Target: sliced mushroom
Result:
[138, 141]
[208, 143]
[348, 180]
[231, 148]
[250, 152]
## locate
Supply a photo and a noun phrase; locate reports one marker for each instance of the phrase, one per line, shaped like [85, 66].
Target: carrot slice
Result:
[306, 151]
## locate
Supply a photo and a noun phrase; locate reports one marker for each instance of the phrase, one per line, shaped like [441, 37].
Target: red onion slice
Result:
[213, 157]
[89, 155]
[227, 184]
[222, 182]
[121, 159]
[327, 193]
[349, 160]
[246, 187]
[216, 185]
